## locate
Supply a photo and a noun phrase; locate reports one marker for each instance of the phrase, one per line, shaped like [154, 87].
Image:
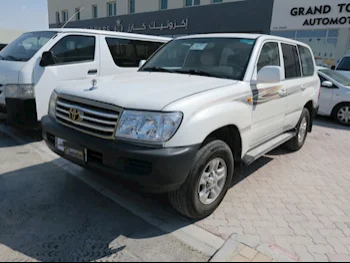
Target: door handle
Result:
[303, 87]
[92, 71]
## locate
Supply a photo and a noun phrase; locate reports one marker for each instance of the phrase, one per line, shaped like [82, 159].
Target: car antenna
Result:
[72, 17]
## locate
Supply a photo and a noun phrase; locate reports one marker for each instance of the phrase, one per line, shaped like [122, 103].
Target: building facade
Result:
[164, 17]
[323, 24]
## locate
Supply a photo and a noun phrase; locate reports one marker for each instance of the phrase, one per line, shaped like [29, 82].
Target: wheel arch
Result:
[231, 135]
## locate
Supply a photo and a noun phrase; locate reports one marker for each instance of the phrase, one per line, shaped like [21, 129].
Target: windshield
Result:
[336, 76]
[212, 57]
[26, 46]
[344, 64]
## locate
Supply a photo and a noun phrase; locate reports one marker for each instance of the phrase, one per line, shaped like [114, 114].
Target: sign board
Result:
[310, 14]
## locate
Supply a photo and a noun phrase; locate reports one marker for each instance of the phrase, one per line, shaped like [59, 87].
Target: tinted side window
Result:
[291, 61]
[269, 56]
[128, 53]
[344, 64]
[307, 62]
[72, 49]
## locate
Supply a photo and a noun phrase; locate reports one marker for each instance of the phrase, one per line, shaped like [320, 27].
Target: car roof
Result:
[244, 35]
[105, 32]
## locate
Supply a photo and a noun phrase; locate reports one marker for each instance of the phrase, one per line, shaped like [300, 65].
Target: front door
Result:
[76, 58]
[269, 104]
[326, 98]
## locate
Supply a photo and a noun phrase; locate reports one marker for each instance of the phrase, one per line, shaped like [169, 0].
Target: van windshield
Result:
[213, 57]
[26, 46]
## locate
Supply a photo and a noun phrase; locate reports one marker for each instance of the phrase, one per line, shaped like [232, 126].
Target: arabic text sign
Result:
[310, 14]
[169, 25]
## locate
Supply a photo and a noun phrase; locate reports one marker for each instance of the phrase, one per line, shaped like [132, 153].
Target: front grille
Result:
[97, 119]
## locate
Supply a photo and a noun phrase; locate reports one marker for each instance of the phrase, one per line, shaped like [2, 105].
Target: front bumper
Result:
[155, 170]
[21, 112]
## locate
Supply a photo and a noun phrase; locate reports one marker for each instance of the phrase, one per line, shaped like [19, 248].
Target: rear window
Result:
[307, 62]
[344, 64]
[128, 53]
[291, 61]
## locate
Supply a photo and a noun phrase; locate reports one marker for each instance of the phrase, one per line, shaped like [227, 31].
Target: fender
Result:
[224, 108]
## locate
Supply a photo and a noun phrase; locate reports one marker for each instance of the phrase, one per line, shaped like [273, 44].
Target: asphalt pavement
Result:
[49, 215]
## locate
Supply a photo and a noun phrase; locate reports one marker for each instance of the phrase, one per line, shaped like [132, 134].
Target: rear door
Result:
[301, 81]
[77, 57]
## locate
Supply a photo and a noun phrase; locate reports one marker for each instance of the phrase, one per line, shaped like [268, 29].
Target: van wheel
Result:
[342, 113]
[297, 142]
[207, 183]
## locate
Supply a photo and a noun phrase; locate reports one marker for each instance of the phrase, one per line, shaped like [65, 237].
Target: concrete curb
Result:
[192, 235]
[233, 246]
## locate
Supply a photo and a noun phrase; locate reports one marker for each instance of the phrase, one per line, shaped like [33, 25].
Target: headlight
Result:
[19, 91]
[52, 104]
[148, 126]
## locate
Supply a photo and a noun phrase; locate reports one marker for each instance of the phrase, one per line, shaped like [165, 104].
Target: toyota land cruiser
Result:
[193, 109]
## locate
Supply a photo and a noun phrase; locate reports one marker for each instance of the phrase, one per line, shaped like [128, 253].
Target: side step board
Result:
[259, 151]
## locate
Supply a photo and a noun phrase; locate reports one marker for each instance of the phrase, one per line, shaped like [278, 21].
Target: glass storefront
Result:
[323, 43]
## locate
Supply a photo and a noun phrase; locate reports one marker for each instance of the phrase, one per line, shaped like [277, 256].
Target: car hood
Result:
[143, 90]
[345, 73]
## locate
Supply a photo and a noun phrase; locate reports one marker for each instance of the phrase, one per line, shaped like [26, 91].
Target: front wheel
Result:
[342, 114]
[207, 183]
[297, 142]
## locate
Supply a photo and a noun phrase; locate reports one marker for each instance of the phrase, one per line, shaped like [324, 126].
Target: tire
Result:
[297, 142]
[187, 200]
[340, 110]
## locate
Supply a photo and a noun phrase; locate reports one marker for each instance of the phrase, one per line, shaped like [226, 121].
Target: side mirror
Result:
[333, 67]
[142, 62]
[47, 59]
[270, 74]
[327, 84]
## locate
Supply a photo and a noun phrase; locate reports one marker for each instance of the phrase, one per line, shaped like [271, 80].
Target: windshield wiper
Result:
[199, 72]
[158, 69]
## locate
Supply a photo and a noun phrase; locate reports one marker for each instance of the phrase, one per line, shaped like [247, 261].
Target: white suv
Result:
[199, 104]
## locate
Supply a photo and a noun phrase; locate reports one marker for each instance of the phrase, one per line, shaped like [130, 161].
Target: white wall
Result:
[8, 35]
[122, 7]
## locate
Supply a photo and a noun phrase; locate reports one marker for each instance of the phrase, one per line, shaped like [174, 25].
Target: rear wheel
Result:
[342, 113]
[297, 142]
[207, 182]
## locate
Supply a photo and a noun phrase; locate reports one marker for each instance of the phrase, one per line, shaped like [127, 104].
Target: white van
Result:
[34, 64]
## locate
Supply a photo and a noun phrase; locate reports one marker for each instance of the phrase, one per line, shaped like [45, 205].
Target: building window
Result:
[131, 6]
[58, 20]
[77, 16]
[163, 4]
[192, 2]
[65, 15]
[112, 9]
[217, 1]
[94, 11]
